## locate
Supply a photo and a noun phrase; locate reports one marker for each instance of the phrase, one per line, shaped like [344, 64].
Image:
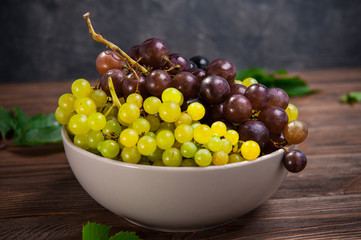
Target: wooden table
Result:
[41, 199]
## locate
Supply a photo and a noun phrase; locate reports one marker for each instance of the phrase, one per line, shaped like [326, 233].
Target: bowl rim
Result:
[66, 140]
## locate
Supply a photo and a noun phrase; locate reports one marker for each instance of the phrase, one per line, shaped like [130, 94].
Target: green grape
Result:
[220, 158]
[196, 124]
[183, 133]
[214, 144]
[99, 97]
[166, 125]
[184, 118]
[188, 149]
[131, 155]
[250, 150]
[84, 105]
[150, 134]
[203, 157]
[156, 155]
[188, 162]
[219, 128]
[96, 121]
[226, 145]
[93, 138]
[292, 112]
[128, 137]
[136, 99]
[144, 161]
[172, 157]
[81, 88]
[112, 112]
[128, 113]
[112, 129]
[154, 122]
[62, 117]
[78, 124]
[169, 111]
[109, 149]
[164, 139]
[66, 102]
[151, 104]
[196, 110]
[158, 162]
[99, 145]
[249, 81]
[141, 125]
[232, 136]
[172, 94]
[81, 141]
[202, 134]
[146, 145]
[233, 158]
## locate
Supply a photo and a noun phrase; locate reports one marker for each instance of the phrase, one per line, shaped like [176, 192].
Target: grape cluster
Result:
[163, 109]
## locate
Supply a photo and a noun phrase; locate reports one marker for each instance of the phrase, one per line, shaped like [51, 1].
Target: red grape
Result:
[187, 84]
[295, 161]
[214, 89]
[275, 119]
[258, 95]
[223, 68]
[237, 108]
[254, 130]
[117, 76]
[278, 97]
[157, 81]
[153, 52]
[107, 60]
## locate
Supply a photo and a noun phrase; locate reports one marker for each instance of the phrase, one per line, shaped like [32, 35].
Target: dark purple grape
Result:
[133, 52]
[117, 76]
[238, 89]
[157, 81]
[214, 89]
[254, 130]
[153, 52]
[295, 161]
[130, 85]
[187, 84]
[199, 73]
[193, 65]
[223, 68]
[275, 119]
[181, 63]
[216, 112]
[107, 60]
[237, 108]
[200, 61]
[278, 97]
[258, 95]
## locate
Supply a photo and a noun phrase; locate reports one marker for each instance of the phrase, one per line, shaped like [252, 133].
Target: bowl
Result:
[176, 199]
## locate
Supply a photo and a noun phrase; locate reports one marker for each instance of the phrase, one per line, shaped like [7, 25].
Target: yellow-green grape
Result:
[93, 138]
[172, 94]
[62, 117]
[154, 122]
[226, 145]
[144, 161]
[196, 124]
[156, 155]
[172, 157]
[128, 113]
[128, 137]
[188, 162]
[183, 133]
[165, 139]
[184, 118]
[151, 104]
[169, 111]
[237, 81]
[112, 114]
[196, 110]
[203, 157]
[96, 121]
[131, 155]
[66, 102]
[141, 125]
[109, 149]
[112, 129]
[136, 99]
[250, 150]
[158, 162]
[220, 158]
[78, 124]
[99, 97]
[81, 141]
[150, 134]
[249, 81]
[188, 149]
[166, 125]
[214, 144]
[81, 88]
[202, 134]
[292, 112]
[233, 158]
[219, 128]
[232, 136]
[85, 105]
[146, 145]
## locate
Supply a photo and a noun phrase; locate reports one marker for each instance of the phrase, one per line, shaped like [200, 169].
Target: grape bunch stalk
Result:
[154, 107]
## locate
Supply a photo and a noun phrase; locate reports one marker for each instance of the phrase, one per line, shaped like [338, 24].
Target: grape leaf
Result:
[351, 98]
[5, 122]
[98, 231]
[125, 236]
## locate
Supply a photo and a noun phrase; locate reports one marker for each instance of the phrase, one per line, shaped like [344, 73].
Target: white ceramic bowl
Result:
[176, 199]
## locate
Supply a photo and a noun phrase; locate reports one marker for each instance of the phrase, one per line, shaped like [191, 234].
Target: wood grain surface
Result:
[41, 199]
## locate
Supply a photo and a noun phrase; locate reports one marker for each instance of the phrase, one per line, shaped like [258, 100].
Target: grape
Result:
[156, 155]
[169, 111]
[214, 89]
[165, 139]
[61, 116]
[295, 161]
[96, 121]
[172, 94]
[94, 138]
[107, 60]
[196, 111]
[219, 128]
[237, 108]
[193, 65]
[151, 105]
[187, 83]
[133, 52]
[233, 158]
[157, 81]
[214, 144]
[220, 158]
[141, 125]
[216, 113]
[128, 113]
[81, 88]
[167, 126]
[292, 112]
[109, 149]
[184, 118]
[84, 105]
[250, 150]
[199, 73]
[146, 145]
[183, 133]
[130, 84]
[203, 157]
[254, 130]
[112, 129]
[153, 52]
[295, 132]
[128, 137]
[202, 133]
[200, 61]
[154, 122]
[278, 97]
[66, 103]
[222, 68]
[136, 99]
[232, 136]
[81, 141]
[275, 119]
[249, 81]
[188, 162]
[172, 157]
[226, 145]
[237, 88]
[188, 149]
[181, 63]
[258, 95]
[131, 155]
[117, 77]
[99, 97]
[78, 124]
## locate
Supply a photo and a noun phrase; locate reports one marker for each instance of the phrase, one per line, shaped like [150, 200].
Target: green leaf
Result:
[5, 121]
[125, 236]
[293, 86]
[96, 231]
[351, 98]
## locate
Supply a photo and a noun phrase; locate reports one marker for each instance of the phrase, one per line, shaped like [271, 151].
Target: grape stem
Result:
[277, 145]
[116, 102]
